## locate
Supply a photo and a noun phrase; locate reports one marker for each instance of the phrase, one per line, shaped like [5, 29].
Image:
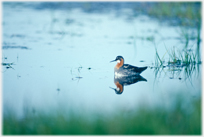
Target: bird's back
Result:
[134, 68]
[128, 70]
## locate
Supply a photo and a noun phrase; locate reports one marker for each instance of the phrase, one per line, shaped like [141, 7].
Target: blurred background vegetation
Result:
[145, 121]
[176, 13]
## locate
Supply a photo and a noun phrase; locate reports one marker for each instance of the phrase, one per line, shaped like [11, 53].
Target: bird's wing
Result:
[134, 68]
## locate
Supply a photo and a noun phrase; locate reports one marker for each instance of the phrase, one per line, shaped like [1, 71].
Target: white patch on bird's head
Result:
[118, 61]
[117, 89]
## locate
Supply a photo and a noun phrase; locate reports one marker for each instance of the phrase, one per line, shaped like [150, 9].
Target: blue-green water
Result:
[62, 60]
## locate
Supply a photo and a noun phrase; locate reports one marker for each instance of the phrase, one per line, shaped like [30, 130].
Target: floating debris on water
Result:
[18, 76]
[17, 35]
[79, 77]
[14, 47]
[5, 64]
[179, 78]
[8, 65]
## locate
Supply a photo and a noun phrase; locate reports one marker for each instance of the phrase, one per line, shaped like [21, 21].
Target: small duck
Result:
[122, 69]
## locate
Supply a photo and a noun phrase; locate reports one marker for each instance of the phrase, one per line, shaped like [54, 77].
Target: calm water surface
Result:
[62, 60]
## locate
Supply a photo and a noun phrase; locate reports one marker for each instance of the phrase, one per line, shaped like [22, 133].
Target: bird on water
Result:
[122, 69]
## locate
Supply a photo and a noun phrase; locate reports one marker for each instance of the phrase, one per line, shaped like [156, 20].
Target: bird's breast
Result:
[124, 71]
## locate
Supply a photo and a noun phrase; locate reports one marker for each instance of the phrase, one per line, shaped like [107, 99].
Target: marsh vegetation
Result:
[181, 120]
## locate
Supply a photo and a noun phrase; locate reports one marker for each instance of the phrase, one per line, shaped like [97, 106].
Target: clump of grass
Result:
[185, 60]
[177, 58]
[158, 59]
[144, 121]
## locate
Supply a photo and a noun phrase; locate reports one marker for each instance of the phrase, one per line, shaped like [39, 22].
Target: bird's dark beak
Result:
[112, 60]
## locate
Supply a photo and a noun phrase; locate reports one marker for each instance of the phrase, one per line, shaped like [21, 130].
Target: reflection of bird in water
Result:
[122, 69]
[124, 81]
[126, 74]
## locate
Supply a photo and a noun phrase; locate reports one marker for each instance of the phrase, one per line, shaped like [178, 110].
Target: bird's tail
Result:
[141, 69]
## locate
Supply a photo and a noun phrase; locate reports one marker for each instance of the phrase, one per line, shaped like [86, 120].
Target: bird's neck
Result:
[120, 64]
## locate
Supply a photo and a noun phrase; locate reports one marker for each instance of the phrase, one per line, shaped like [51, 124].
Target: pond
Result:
[57, 58]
